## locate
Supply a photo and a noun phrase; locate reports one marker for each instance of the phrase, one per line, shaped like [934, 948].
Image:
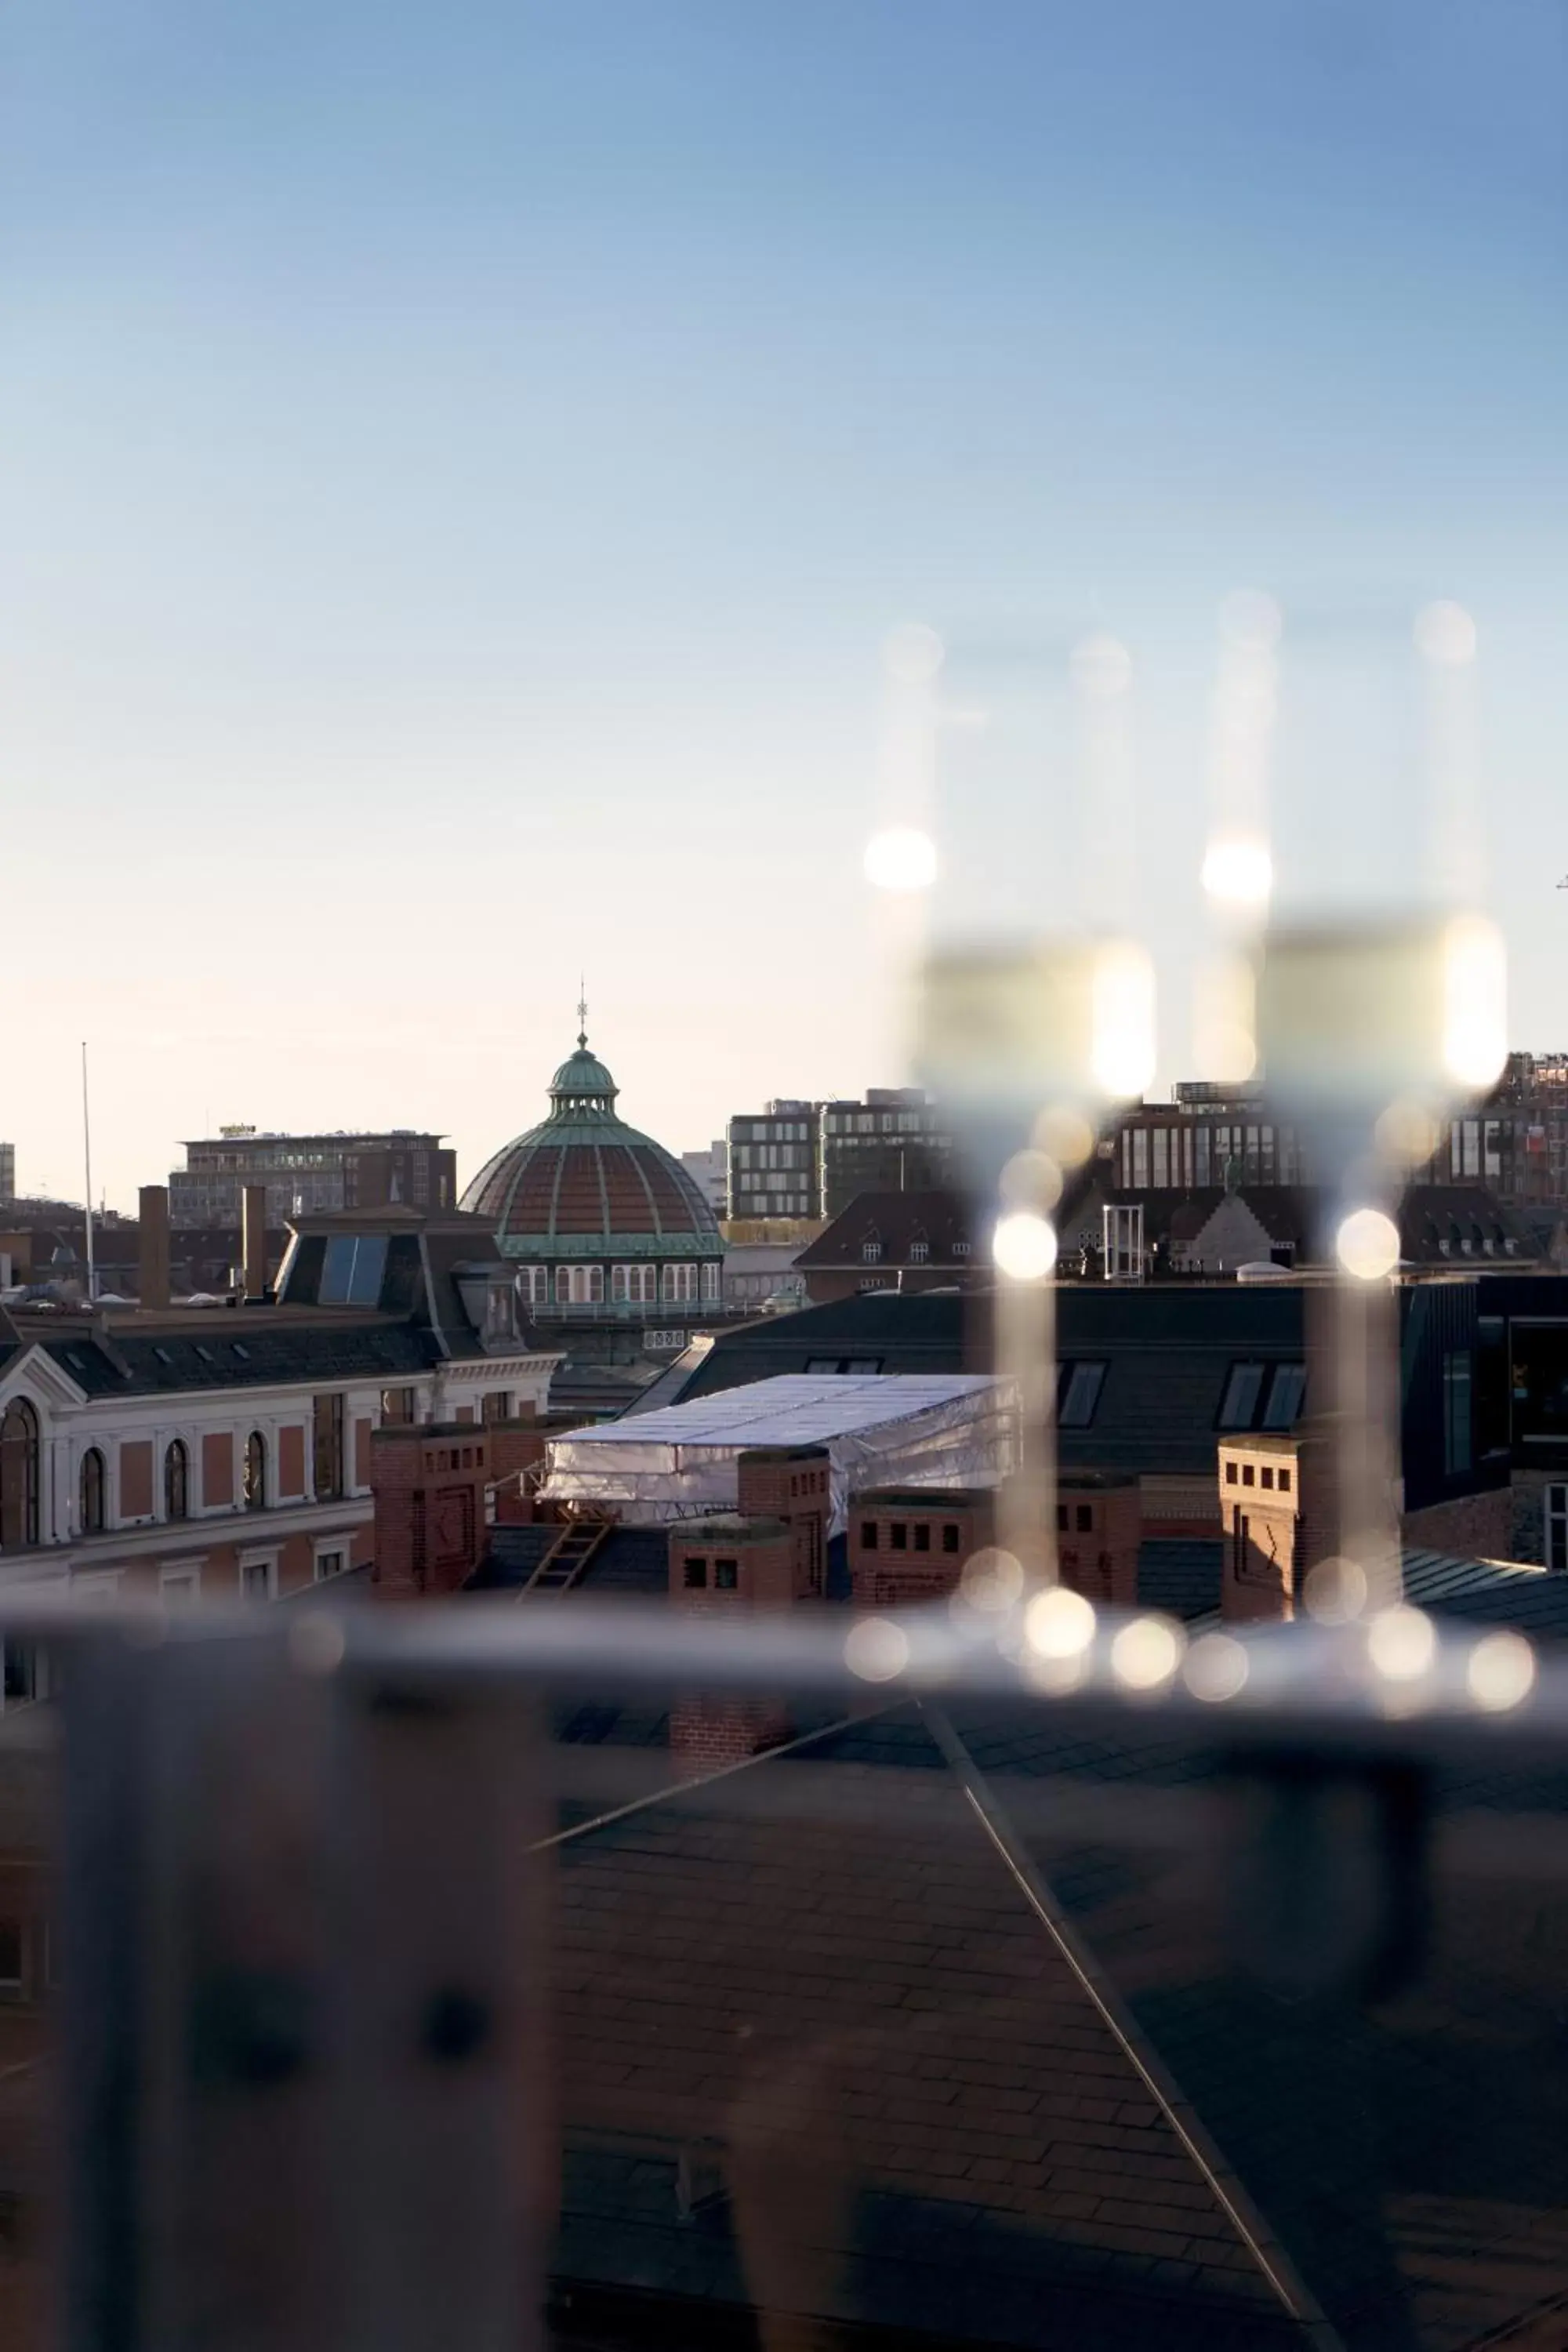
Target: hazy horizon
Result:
[459, 472]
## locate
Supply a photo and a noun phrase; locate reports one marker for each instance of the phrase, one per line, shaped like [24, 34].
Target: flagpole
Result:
[87, 1157]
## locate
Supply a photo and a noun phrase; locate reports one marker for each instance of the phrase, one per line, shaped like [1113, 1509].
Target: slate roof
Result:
[855, 2020]
[229, 1351]
[1168, 1349]
[819, 1997]
[1488, 1592]
[632, 1560]
[944, 1221]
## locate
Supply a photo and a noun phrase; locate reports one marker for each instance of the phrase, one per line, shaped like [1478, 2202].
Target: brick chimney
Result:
[152, 1245]
[909, 1544]
[1274, 1499]
[253, 1240]
[1100, 1528]
[792, 1483]
[428, 1482]
[516, 1446]
[717, 1567]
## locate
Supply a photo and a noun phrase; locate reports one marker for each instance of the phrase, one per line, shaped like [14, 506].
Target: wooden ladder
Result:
[567, 1557]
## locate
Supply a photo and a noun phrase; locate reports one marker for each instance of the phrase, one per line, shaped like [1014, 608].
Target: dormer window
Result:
[871, 1250]
[351, 1270]
[919, 1251]
[961, 1249]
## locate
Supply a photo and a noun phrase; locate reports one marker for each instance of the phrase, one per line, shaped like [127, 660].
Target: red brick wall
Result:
[290, 1465]
[297, 1563]
[793, 1485]
[1099, 1530]
[218, 1466]
[428, 1485]
[136, 1479]
[707, 1734]
[883, 1578]
[515, 1445]
[1474, 1526]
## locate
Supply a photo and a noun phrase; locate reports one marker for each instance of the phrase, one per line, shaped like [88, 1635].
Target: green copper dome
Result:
[582, 1184]
[581, 1087]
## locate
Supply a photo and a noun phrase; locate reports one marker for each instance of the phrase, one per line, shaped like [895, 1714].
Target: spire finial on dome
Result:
[581, 1010]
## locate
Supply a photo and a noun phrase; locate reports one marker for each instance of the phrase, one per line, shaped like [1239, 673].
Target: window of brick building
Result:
[327, 1447]
[176, 1481]
[950, 1539]
[696, 1574]
[1266, 1476]
[329, 1564]
[1085, 1516]
[923, 1537]
[899, 1536]
[18, 1476]
[255, 1485]
[868, 1535]
[726, 1575]
[94, 1503]
[1284, 1482]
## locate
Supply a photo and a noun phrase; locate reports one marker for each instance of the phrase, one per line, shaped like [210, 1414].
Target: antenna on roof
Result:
[87, 1163]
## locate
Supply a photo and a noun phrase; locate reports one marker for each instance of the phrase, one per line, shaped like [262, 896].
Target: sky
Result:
[459, 467]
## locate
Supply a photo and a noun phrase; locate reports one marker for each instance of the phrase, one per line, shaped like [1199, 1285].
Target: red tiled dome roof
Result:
[583, 1175]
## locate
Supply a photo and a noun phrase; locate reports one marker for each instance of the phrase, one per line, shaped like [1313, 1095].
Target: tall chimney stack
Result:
[253, 1239]
[152, 1249]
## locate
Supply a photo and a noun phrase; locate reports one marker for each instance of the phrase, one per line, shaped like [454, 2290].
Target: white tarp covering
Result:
[952, 1429]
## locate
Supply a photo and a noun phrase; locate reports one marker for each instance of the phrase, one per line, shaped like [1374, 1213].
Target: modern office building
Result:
[773, 1169]
[896, 1141]
[307, 1173]
[711, 1168]
[810, 1160]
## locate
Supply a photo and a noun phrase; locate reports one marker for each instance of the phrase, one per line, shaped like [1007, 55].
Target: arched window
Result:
[255, 1471]
[18, 1476]
[176, 1481]
[94, 1503]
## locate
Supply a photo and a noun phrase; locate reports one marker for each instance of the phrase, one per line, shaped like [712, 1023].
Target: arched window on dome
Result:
[679, 1282]
[586, 1288]
[711, 1278]
[620, 1286]
[534, 1284]
[562, 1286]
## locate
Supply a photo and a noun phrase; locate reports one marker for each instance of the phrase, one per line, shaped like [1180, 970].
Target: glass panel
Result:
[1081, 1395]
[1241, 1394]
[1286, 1391]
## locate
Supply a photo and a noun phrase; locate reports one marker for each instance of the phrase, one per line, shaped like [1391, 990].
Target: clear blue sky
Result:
[460, 464]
